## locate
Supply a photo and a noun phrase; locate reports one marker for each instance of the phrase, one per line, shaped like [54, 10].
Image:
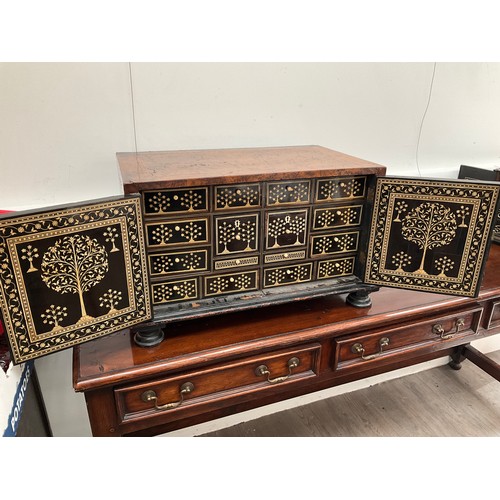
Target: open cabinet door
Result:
[71, 275]
[430, 235]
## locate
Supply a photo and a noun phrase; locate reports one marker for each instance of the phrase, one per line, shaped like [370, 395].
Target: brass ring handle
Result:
[148, 396]
[358, 348]
[439, 330]
[262, 370]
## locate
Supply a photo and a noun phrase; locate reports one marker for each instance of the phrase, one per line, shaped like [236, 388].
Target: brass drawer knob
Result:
[439, 330]
[148, 396]
[358, 348]
[262, 370]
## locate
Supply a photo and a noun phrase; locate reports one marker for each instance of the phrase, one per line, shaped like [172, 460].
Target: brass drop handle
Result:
[148, 396]
[263, 370]
[439, 330]
[358, 348]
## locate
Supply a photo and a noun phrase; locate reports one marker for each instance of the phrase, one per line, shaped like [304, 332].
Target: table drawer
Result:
[214, 384]
[493, 320]
[355, 350]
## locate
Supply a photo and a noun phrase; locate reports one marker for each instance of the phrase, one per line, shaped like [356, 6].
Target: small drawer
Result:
[288, 193]
[333, 217]
[284, 256]
[231, 283]
[333, 268]
[167, 292]
[175, 201]
[221, 265]
[177, 232]
[327, 244]
[340, 188]
[286, 229]
[356, 350]
[171, 263]
[237, 196]
[214, 384]
[236, 234]
[287, 275]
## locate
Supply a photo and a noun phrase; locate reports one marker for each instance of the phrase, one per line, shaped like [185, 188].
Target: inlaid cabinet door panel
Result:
[430, 235]
[70, 275]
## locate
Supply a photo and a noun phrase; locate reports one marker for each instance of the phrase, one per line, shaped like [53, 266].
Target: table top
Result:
[160, 169]
[113, 358]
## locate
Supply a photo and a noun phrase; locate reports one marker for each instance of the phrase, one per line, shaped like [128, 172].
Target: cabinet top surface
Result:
[114, 358]
[159, 169]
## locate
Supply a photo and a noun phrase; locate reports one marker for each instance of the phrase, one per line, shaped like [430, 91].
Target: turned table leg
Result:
[457, 357]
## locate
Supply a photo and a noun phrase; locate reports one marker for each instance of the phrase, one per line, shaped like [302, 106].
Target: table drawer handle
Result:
[262, 370]
[148, 396]
[439, 330]
[358, 348]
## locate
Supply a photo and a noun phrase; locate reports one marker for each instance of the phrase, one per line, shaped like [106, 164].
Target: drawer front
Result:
[168, 263]
[237, 196]
[284, 256]
[236, 234]
[333, 217]
[287, 275]
[356, 350]
[333, 268]
[231, 283]
[334, 243]
[286, 228]
[177, 232]
[175, 291]
[175, 201]
[238, 262]
[493, 320]
[287, 193]
[214, 384]
[340, 188]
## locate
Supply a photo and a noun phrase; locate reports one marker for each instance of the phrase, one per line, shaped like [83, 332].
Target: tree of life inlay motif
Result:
[75, 264]
[54, 315]
[159, 203]
[190, 200]
[351, 188]
[110, 299]
[29, 253]
[111, 234]
[430, 225]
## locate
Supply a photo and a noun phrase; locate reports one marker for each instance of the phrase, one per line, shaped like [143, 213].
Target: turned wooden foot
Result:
[361, 298]
[148, 336]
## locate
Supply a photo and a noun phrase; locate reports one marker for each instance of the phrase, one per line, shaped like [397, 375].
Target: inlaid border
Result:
[25, 341]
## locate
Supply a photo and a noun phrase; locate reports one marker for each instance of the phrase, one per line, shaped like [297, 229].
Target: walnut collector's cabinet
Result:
[236, 229]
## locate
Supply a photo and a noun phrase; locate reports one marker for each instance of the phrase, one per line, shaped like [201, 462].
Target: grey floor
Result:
[436, 402]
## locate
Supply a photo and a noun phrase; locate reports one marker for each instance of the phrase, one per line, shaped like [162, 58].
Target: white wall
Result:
[62, 123]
